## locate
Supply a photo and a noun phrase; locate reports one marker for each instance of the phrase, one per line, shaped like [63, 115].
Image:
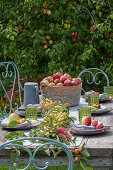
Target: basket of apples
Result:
[62, 87]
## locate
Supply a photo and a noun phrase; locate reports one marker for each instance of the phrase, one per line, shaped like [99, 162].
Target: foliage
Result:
[44, 37]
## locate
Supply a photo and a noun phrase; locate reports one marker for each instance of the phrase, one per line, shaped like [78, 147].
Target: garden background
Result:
[44, 37]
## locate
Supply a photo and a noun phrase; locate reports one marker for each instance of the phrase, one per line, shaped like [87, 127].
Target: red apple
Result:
[94, 123]
[44, 41]
[45, 11]
[50, 79]
[76, 34]
[70, 78]
[50, 42]
[86, 120]
[63, 78]
[74, 83]
[44, 82]
[97, 93]
[57, 81]
[45, 46]
[78, 81]
[55, 76]
[67, 75]
[74, 39]
[48, 12]
[51, 84]
[20, 27]
[59, 74]
[67, 83]
[59, 84]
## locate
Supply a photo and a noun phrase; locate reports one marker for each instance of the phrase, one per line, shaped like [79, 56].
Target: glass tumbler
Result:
[109, 90]
[31, 112]
[84, 111]
[93, 99]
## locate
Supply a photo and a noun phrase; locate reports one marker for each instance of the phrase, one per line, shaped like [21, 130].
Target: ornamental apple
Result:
[59, 84]
[63, 78]
[86, 120]
[98, 126]
[67, 83]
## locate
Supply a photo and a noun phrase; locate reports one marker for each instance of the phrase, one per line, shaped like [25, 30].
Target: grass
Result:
[50, 168]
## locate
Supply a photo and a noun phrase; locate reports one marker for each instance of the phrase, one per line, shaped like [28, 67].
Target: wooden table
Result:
[100, 147]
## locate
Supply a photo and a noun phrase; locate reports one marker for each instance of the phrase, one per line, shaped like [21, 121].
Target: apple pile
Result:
[87, 121]
[59, 79]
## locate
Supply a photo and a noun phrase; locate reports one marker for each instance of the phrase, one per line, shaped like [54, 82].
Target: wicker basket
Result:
[65, 94]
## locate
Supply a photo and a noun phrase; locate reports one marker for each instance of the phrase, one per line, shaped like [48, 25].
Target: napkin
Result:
[103, 96]
[103, 108]
[5, 122]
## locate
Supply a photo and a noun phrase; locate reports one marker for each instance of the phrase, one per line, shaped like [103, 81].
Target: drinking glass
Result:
[84, 111]
[109, 90]
[31, 112]
[93, 99]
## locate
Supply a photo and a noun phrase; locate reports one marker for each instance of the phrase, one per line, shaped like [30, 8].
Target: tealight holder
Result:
[108, 90]
[84, 111]
[31, 112]
[93, 99]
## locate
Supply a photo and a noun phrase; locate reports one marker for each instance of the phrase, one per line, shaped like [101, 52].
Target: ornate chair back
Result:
[32, 153]
[9, 77]
[93, 76]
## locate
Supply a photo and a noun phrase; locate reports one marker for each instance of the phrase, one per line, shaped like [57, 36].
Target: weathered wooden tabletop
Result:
[100, 147]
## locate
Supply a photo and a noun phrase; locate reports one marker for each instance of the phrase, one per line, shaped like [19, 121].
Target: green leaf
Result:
[47, 152]
[14, 156]
[13, 135]
[12, 124]
[74, 139]
[111, 16]
[12, 37]
[82, 166]
[85, 153]
[56, 153]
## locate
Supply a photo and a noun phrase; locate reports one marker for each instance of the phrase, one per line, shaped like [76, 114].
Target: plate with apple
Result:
[89, 127]
[103, 97]
[14, 122]
[99, 109]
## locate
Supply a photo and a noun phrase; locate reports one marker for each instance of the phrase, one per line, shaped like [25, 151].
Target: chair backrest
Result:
[32, 155]
[9, 73]
[94, 75]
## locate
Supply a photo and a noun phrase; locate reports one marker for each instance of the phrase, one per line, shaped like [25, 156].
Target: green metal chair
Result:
[32, 155]
[9, 71]
[93, 77]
